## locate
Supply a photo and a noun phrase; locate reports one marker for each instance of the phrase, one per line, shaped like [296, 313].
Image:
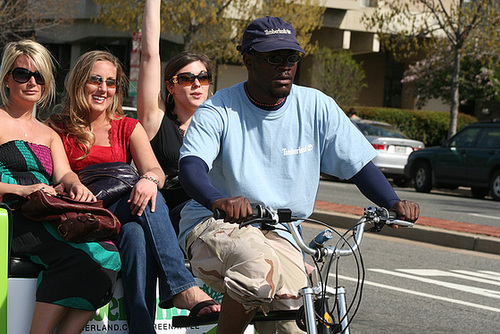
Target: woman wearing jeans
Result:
[94, 130]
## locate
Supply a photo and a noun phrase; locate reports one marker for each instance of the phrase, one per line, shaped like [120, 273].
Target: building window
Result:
[393, 88]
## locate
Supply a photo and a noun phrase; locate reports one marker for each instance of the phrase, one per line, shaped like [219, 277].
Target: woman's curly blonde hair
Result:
[75, 116]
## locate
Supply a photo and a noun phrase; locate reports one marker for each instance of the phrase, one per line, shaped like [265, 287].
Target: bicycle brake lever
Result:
[377, 216]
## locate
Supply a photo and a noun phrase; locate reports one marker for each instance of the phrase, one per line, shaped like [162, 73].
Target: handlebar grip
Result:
[258, 212]
[219, 214]
[393, 218]
[402, 223]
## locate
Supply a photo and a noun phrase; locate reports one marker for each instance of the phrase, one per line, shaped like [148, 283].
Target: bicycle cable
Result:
[359, 265]
[358, 293]
[341, 242]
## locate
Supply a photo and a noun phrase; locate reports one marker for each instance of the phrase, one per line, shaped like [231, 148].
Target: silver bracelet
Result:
[150, 178]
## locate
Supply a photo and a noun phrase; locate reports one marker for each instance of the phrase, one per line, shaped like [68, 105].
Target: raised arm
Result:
[150, 106]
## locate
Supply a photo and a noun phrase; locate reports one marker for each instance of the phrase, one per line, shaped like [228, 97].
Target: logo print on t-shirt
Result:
[295, 151]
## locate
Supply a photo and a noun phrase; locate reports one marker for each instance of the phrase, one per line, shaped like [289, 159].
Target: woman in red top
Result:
[94, 130]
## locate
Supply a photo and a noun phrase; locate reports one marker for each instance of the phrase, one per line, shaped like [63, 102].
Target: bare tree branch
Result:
[23, 18]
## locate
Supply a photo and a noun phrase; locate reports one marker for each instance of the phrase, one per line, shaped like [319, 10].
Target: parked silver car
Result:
[393, 148]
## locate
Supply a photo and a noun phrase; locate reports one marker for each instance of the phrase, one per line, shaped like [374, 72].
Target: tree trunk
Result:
[455, 99]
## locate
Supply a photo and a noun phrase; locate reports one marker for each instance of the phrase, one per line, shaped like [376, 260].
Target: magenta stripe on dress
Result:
[43, 153]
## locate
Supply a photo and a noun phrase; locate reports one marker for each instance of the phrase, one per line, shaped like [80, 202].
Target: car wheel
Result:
[479, 192]
[495, 186]
[423, 177]
[401, 181]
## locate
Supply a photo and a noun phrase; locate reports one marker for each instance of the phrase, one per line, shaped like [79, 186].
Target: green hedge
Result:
[431, 127]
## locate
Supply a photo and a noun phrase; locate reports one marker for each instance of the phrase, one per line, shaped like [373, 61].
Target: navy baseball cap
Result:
[269, 34]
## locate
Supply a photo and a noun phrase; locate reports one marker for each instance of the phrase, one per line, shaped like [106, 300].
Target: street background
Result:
[421, 287]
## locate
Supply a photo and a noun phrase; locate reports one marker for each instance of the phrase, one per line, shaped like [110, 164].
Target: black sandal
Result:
[193, 319]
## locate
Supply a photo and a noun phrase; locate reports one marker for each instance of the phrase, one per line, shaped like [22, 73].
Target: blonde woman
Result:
[78, 278]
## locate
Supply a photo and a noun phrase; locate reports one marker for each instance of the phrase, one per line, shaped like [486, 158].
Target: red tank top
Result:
[119, 135]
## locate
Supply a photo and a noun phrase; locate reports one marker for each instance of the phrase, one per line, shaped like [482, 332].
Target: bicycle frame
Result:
[310, 292]
[318, 291]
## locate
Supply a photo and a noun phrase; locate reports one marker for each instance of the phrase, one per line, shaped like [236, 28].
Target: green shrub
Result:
[431, 127]
[336, 73]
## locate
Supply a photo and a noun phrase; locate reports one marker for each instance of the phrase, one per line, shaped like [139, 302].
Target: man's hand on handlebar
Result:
[237, 209]
[406, 210]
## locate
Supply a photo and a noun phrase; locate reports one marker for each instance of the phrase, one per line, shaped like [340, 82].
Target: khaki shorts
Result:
[258, 269]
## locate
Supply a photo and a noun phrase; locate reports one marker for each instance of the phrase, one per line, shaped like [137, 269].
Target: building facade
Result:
[342, 30]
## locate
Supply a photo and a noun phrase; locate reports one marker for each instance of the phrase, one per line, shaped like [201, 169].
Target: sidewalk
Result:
[436, 231]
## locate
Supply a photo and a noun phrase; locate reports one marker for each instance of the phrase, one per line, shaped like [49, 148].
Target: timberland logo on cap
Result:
[277, 31]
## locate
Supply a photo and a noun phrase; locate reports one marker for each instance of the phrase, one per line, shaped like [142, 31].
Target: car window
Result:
[466, 138]
[380, 131]
[489, 138]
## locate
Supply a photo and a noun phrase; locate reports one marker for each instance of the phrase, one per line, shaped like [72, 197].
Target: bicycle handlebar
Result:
[258, 212]
[268, 217]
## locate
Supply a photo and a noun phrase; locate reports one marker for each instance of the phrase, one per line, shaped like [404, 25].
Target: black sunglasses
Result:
[188, 78]
[277, 59]
[97, 80]
[23, 75]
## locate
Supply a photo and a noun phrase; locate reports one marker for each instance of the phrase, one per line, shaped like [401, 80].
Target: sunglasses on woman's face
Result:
[23, 75]
[188, 78]
[97, 80]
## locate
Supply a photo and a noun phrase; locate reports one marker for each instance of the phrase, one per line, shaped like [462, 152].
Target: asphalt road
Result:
[413, 287]
[456, 205]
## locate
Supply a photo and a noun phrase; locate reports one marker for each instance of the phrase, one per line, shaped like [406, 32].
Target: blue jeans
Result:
[149, 250]
[175, 215]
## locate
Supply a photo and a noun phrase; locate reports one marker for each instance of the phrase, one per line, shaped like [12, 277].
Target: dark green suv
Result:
[471, 158]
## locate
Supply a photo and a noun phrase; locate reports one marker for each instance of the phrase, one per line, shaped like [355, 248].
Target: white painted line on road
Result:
[484, 216]
[489, 275]
[460, 287]
[493, 273]
[421, 294]
[462, 274]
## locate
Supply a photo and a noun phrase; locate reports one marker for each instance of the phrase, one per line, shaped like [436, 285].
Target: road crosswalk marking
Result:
[487, 277]
[497, 275]
[490, 275]
[460, 287]
[462, 274]
[422, 294]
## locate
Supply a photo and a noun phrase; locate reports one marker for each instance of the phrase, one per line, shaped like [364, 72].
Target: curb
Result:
[429, 230]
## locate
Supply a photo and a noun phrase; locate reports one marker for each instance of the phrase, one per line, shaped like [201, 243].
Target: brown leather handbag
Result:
[75, 221]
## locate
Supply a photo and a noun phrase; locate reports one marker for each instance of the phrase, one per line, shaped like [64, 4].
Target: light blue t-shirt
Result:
[273, 158]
